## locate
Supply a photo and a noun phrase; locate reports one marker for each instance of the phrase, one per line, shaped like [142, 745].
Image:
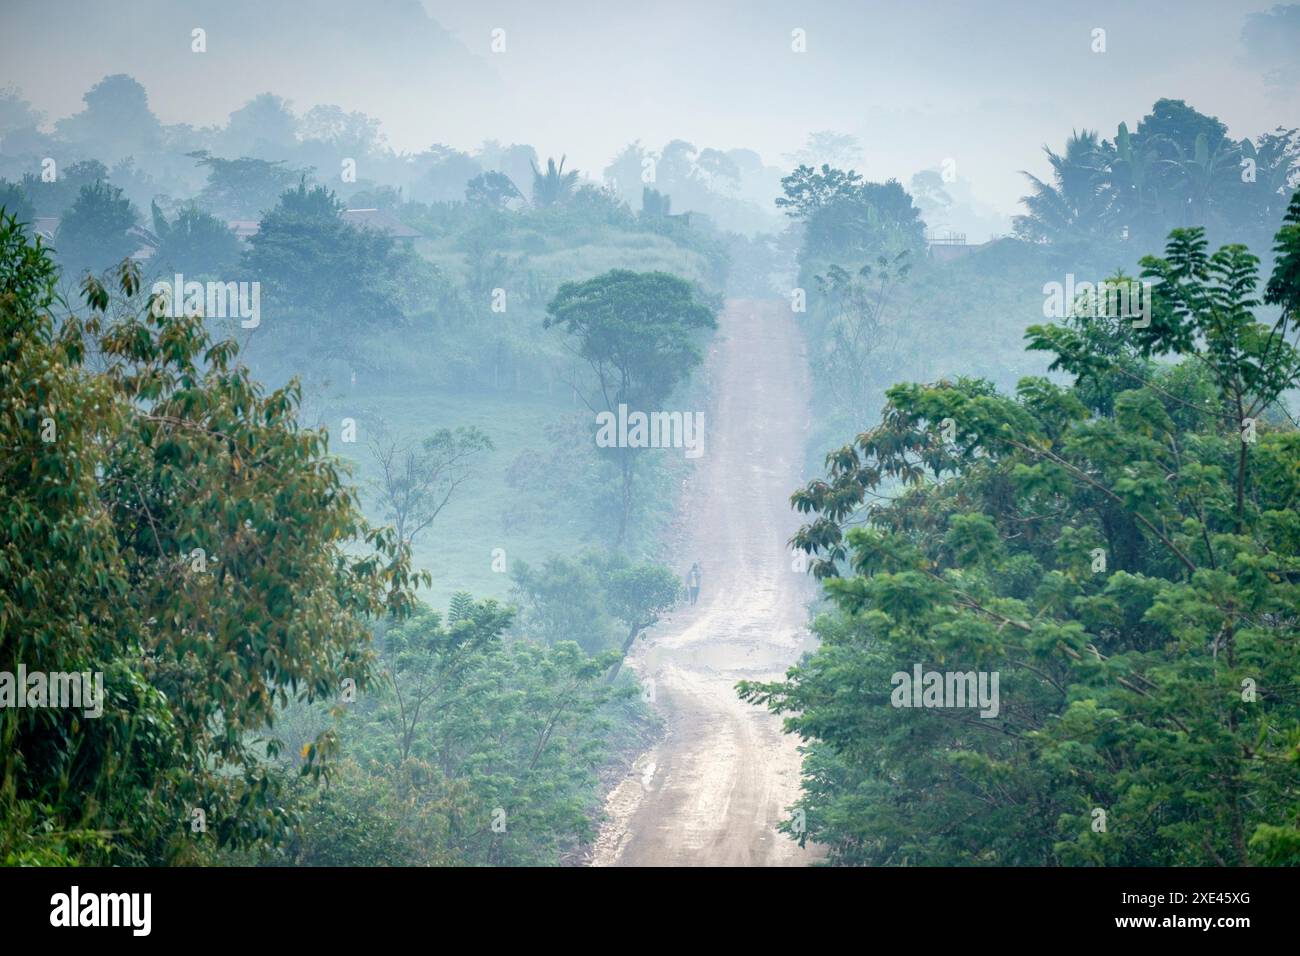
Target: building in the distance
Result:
[952, 245]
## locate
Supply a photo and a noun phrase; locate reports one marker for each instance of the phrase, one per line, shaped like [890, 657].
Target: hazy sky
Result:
[984, 83]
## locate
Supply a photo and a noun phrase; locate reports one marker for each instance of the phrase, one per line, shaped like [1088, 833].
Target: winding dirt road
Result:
[714, 788]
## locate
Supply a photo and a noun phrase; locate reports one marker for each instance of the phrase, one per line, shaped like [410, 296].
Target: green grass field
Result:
[560, 262]
[457, 548]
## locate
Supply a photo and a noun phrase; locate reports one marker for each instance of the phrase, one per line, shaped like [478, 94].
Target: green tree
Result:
[1076, 202]
[16, 113]
[264, 126]
[878, 219]
[638, 596]
[654, 204]
[322, 274]
[416, 481]
[171, 526]
[638, 332]
[1276, 159]
[428, 663]
[347, 134]
[14, 202]
[807, 190]
[447, 174]
[117, 120]
[242, 188]
[195, 243]
[54, 198]
[1178, 168]
[857, 340]
[563, 599]
[492, 190]
[492, 746]
[585, 599]
[93, 233]
[1121, 550]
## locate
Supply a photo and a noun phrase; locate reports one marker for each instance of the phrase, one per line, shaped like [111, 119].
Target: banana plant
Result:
[1132, 175]
[1272, 168]
[1206, 176]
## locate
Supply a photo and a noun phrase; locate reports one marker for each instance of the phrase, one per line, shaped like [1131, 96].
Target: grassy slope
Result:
[562, 260]
[457, 548]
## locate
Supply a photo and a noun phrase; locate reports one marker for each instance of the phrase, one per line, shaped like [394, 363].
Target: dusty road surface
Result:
[712, 791]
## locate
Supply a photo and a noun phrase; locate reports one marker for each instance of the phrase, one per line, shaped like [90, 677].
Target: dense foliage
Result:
[1177, 168]
[477, 750]
[169, 524]
[1121, 550]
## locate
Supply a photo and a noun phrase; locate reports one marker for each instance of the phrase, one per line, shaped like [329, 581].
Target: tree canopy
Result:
[170, 526]
[1121, 550]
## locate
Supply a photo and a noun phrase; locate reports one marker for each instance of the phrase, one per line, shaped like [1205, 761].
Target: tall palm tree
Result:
[555, 186]
[1078, 200]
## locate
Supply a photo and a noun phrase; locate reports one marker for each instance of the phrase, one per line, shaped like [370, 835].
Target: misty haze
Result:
[448, 434]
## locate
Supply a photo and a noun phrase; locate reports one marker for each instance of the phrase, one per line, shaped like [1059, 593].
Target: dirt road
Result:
[713, 790]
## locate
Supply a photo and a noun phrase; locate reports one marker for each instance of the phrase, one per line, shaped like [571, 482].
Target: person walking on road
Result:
[693, 582]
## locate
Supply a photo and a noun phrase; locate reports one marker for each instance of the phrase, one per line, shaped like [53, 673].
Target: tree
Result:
[515, 161]
[416, 481]
[563, 599]
[348, 134]
[856, 336]
[117, 120]
[584, 599]
[808, 190]
[1179, 125]
[639, 595]
[14, 202]
[1076, 202]
[639, 335]
[720, 170]
[264, 126]
[93, 233]
[1209, 177]
[828, 147]
[16, 113]
[1276, 159]
[491, 189]
[931, 196]
[625, 170]
[325, 276]
[54, 198]
[555, 186]
[1179, 168]
[1120, 550]
[427, 662]
[242, 188]
[448, 171]
[494, 744]
[879, 219]
[195, 243]
[654, 204]
[172, 527]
